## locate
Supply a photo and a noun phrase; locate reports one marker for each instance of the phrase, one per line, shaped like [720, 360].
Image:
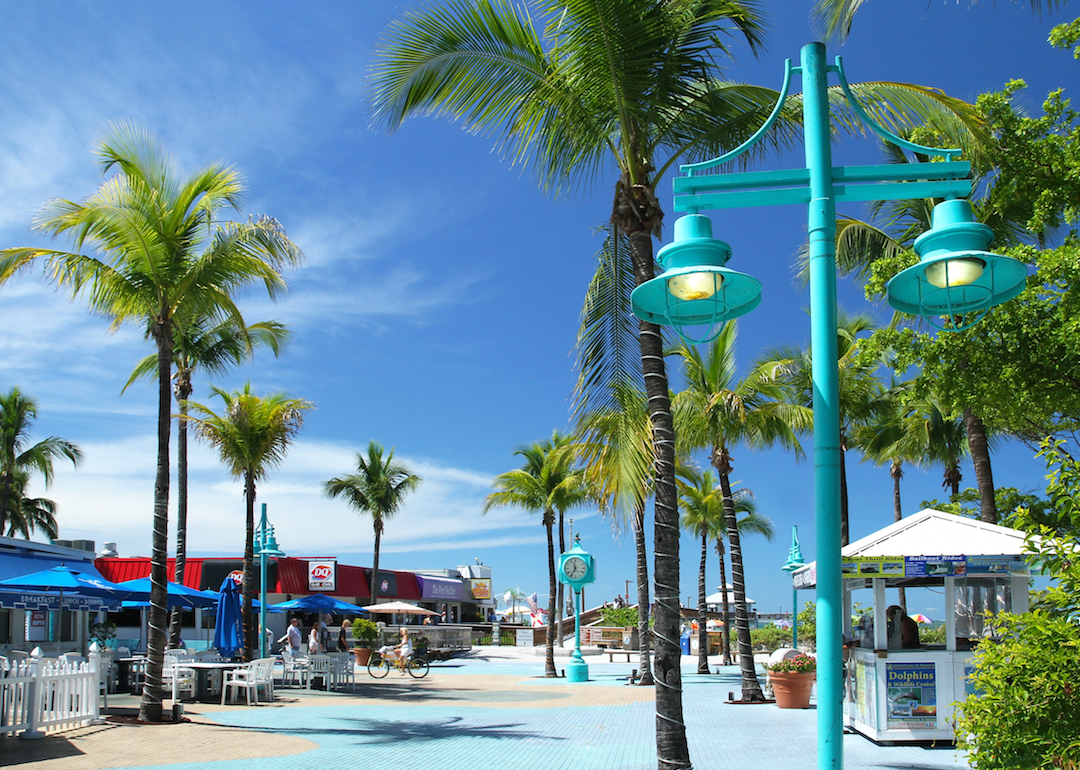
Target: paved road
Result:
[492, 708]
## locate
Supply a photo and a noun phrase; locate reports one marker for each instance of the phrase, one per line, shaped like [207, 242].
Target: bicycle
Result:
[380, 666]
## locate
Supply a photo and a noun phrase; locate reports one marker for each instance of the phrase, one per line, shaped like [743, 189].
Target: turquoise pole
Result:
[822, 233]
[262, 584]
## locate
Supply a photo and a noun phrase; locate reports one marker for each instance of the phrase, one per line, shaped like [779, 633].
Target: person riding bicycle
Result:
[402, 650]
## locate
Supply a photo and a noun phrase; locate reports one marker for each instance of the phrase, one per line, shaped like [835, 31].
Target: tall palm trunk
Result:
[980, 458]
[150, 704]
[559, 601]
[725, 639]
[375, 560]
[751, 688]
[644, 635]
[896, 472]
[703, 631]
[249, 569]
[672, 751]
[549, 652]
[183, 392]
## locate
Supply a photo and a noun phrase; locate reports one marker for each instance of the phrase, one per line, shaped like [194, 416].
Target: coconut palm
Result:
[718, 410]
[20, 514]
[547, 483]
[630, 84]
[157, 254]
[859, 388]
[378, 488]
[215, 348]
[617, 452]
[252, 435]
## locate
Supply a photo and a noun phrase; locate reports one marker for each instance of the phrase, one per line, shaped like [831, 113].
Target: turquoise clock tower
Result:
[577, 568]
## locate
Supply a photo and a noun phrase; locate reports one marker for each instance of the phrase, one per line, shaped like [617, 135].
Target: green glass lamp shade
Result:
[695, 288]
[955, 274]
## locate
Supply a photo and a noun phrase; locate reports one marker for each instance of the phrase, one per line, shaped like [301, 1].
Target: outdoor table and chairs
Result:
[249, 677]
[208, 676]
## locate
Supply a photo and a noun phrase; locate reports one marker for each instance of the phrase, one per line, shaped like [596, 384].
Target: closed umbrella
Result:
[229, 628]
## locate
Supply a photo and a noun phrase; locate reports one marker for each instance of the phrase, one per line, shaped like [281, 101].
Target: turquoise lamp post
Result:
[956, 277]
[577, 568]
[794, 562]
[267, 547]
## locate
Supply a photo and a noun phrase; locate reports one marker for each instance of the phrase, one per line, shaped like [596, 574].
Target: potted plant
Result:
[792, 678]
[366, 634]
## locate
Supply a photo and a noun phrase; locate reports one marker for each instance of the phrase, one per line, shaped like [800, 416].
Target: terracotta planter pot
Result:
[363, 655]
[791, 690]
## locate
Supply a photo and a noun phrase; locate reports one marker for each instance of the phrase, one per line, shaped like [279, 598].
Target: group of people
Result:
[319, 639]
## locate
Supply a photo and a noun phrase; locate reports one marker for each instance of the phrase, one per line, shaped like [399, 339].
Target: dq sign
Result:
[237, 576]
[322, 575]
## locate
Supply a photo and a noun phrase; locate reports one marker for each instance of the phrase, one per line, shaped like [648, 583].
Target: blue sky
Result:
[438, 309]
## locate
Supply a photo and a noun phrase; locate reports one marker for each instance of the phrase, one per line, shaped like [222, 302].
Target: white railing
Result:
[38, 694]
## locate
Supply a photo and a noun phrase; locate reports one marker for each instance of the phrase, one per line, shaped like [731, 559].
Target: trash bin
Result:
[684, 642]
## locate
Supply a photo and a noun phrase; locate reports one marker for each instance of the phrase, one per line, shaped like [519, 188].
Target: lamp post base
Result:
[577, 671]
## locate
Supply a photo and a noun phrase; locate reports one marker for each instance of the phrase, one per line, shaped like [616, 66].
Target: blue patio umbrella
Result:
[317, 603]
[178, 595]
[229, 628]
[66, 580]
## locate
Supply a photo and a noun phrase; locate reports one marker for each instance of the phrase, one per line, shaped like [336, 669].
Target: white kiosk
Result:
[893, 694]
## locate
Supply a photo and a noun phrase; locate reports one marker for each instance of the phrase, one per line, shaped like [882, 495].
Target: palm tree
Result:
[617, 451]
[858, 385]
[215, 348]
[252, 435]
[158, 256]
[547, 483]
[717, 410]
[836, 16]
[943, 440]
[627, 83]
[20, 514]
[377, 488]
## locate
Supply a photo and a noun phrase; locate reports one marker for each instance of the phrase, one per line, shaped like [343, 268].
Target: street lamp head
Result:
[955, 274]
[695, 289]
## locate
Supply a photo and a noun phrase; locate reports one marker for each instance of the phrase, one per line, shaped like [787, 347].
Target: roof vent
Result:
[108, 552]
[84, 545]
[62, 543]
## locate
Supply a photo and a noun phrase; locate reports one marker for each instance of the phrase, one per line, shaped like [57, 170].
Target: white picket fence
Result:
[47, 694]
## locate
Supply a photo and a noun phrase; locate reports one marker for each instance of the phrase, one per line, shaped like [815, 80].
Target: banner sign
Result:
[438, 589]
[935, 566]
[23, 600]
[322, 575]
[911, 692]
[481, 588]
[872, 567]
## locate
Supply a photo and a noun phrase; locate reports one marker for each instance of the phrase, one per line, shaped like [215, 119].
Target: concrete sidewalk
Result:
[492, 706]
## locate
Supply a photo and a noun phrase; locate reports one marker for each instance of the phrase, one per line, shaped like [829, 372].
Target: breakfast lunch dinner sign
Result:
[322, 575]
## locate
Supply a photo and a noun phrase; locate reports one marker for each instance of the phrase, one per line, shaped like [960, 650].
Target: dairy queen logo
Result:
[237, 575]
[321, 572]
[384, 586]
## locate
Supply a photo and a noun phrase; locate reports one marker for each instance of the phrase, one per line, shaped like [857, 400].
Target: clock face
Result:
[575, 568]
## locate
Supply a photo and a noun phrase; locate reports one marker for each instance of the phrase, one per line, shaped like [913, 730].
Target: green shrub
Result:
[365, 632]
[770, 637]
[1026, 713]
[618, 616]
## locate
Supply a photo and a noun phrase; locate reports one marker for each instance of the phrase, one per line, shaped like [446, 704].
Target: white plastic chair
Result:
[264, 678]
[295, 668]
[345, 670]
[240, 678]
[178, 678]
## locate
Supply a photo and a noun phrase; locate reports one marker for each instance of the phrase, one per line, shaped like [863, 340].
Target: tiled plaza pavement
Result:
[490, 708]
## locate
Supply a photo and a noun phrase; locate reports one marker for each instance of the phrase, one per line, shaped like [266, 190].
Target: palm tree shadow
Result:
[384, 731]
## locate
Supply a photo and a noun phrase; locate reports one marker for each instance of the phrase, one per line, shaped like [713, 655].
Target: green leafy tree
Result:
[630, 83]
[378, 488]
[215, 348]
[718, 410]
[19, 460]
[252, 435]
[548, 484]
[150, 248]
[615, 446]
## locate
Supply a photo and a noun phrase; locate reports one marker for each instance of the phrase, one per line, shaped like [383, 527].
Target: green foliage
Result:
[770, 637]
[932, 634]
[1053, 533]
[1026, 713]
[1065, 35]
[619, 616]
[797, 664]
[1008, 500]
[365, 632]
[808, 625]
